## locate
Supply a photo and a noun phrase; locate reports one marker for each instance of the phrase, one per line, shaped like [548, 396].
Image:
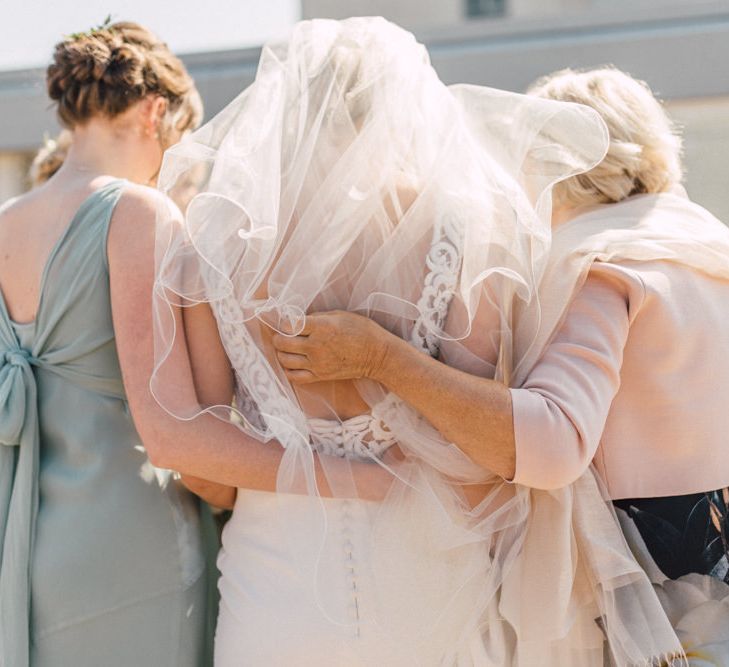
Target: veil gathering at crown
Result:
[348, 176]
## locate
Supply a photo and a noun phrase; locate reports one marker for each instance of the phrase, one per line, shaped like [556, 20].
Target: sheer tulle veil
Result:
[348, 176]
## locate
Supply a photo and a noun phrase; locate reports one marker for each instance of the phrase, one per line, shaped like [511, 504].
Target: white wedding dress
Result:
[349, 177]
[264, 597]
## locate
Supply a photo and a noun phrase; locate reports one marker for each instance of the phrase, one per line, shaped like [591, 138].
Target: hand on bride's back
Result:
[333, 346]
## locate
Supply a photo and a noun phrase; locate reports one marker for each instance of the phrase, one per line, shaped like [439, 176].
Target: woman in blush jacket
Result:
[629, 371]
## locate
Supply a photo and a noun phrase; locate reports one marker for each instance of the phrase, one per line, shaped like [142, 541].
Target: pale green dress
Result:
[101, 556]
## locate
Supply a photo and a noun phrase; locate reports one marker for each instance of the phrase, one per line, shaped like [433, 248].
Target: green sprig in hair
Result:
[102, 26]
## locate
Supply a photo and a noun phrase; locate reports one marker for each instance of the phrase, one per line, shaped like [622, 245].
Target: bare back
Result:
[31, 226]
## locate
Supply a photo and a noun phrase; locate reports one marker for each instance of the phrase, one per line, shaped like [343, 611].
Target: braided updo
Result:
[105, 71]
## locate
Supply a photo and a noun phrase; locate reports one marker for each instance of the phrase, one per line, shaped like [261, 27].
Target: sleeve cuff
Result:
[535, 466]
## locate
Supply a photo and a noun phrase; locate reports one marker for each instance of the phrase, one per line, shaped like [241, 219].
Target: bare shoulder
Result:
[143, 204]
[20, 205]
[23, 216]
[9, 212]
[12, 205]
[137, 215]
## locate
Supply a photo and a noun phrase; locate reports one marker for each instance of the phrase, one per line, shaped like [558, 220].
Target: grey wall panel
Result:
[682, 50]
[25, 112]
[679, 59]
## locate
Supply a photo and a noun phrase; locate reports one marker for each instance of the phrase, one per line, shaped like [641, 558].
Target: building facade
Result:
[681, 48]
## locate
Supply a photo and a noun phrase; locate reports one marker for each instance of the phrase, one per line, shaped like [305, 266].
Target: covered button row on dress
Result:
[350, 563]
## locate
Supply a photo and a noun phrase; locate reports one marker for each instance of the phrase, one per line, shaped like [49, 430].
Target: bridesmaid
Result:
[102, 557]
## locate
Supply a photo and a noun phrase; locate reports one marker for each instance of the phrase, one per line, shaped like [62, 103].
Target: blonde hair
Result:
[49, 158]
[644, 155]
[108, 69]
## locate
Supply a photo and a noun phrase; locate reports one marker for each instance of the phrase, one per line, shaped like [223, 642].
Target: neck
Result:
[100, 148]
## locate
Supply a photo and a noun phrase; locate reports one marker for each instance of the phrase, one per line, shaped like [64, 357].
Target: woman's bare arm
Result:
[217, 495]
[468, 410]
[205, 447]
[213, 379]
[543, 435]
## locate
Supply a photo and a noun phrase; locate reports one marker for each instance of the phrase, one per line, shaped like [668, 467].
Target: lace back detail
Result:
[444, 263]
[259, 392]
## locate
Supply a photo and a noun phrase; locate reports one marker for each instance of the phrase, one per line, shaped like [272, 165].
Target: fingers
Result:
[309, 321]
[319, 321]
[292, 361]
[301, 377]
[290, 344]
[287, 328]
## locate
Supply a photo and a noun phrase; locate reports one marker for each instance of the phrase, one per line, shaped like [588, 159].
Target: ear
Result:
[159, 109]
[152, 110]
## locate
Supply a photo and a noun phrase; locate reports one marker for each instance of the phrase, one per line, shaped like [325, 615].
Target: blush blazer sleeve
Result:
[561, 410]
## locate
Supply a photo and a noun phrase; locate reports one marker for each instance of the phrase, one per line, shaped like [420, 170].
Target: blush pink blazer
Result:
[635, 378]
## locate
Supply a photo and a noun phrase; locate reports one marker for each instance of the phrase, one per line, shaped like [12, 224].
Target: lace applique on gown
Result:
[366, 435]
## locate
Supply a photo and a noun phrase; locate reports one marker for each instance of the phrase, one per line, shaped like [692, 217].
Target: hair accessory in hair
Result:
[105, 25]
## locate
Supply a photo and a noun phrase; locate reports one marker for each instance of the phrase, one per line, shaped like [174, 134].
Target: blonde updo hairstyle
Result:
[104, 71]
[644, 155]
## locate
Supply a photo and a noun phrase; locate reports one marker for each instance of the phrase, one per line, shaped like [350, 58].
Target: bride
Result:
[349, 177]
